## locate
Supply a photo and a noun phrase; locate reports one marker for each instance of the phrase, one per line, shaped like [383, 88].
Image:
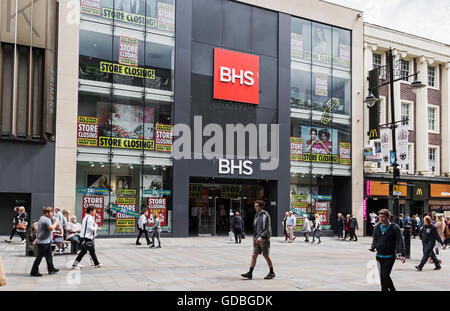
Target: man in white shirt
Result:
[373, 217]
[291, 222]
[88, 232]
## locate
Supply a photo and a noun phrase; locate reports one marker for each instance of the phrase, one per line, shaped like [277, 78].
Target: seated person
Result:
[73, 229]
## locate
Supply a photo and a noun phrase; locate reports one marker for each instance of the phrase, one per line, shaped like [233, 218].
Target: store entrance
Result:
[214, 203]
[7, 203]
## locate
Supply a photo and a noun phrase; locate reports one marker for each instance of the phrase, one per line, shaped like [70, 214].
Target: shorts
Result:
[262, 247]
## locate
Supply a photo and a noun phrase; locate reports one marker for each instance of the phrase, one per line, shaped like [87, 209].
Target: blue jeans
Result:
[314, 236]
[427, 253]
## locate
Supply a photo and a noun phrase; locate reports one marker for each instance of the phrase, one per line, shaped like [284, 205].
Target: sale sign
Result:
[125, 222]
[166, 16]
[164, 137]
[98, 204]
[128, 51]
[321, 85]
[322, 211]
[158, 205]
[236, 76]
[296, 149]
[87, 133]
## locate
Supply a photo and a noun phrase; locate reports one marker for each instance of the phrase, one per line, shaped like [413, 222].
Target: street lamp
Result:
[371, 100]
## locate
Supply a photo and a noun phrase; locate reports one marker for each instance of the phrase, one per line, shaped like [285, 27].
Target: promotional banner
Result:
[402, 144]
[124, 185]
[87, 134]
[321, 145]
[345, 153]
[153, 186]
[328, 111]
[130, 71]
[166, 16]
[164, 137]
[321, 84]
[125, 223]
[296, 149]
[296, 45]
[385, 150]
[230, 192]
[158, 205]
[322, 210]
[92, 7]
[128, 51]
[98, 204]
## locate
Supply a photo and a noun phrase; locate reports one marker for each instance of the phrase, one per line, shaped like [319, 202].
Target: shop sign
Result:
[166, 16]
[440, 190]
[296, 148]
[236, 76]
[378, 188]
[126, 192]
[128, 51]
[157, 192]
[322, 211]
[420, 192]
[93, 190]
[230, 192]
[396, 190]
[98, 204]
[126, 143]
[300, 197]
[228, 167]
[321, 84]
[296, 45]
[125, 70]
[195, 191]
[164, 137]
[126, 221]
[344, 153]
[158, 205]
[321, 197]
[364, 209]
[87, 134]
[91, 7]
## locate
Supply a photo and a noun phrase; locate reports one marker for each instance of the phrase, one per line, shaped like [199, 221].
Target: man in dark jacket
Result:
[387, 240]
[340, 225]
[353, 225]
[429, 236]
[261, 239]
[237, 226]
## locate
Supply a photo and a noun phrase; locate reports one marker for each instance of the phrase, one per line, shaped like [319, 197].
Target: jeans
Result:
[144, 231]
[156, 234]
[427, 253]
[44, 250]
[314, 236]
[84, 250]
[340, 232]
[237, 234]
[385, 267]
[76, 242]
[353, 235]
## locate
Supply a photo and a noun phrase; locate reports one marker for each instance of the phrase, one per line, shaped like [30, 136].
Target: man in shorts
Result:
[261, 240]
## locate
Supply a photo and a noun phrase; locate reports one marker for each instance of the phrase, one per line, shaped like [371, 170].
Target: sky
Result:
[424, 18]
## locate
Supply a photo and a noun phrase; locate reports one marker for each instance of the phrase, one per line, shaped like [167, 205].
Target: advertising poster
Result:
[153, 186]
[345, 153]
[321, 45]
[98, 181]
[91, 7]
[87, 134]
[158, 205]
[296, 45]
[124, 185]
[164, 137]
[166, 16]
[125, 223]
[385, 152]
[322, 210]
[296, 149]
[128, 51]
[320, 144]
[344, 56]
[321, 84]
[402, 145]
[299, 213]
[230, 192]
[98, 204]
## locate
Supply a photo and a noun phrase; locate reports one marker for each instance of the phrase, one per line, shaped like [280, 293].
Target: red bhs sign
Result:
[236, 76]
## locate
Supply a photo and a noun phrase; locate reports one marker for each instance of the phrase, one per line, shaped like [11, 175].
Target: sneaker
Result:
[35, 274]
[159, 246]
[138, 243]
[418, 268]
[152, 246]
[76, 267]
[247, 275]
[8, 241]
[437, 268]
[23, 242]
[319, 242]
[54, 271]
[269, 276]
[99, 265]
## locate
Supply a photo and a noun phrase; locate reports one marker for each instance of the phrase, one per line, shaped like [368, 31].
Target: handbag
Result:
[22, 225]
[230, 236]
[243, 235]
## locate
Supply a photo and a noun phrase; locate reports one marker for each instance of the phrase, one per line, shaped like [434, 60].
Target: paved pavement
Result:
[214, 263]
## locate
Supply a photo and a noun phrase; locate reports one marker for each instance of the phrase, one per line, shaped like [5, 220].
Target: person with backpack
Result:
[89, 230]
[316, 232]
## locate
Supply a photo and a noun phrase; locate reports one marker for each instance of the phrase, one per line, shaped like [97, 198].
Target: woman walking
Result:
[237, 226]
[142, 223]
[284, 223]
[316, 232]
[429, 236]
[156, 230]
[440, 227]
[306, 229]
[347, 227]
[22, 223]
[340, 226]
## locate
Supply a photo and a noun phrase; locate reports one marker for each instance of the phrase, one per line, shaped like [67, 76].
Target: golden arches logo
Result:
[373, 134]
[419, 191]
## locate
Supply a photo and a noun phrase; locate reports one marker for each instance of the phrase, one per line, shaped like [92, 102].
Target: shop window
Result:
[341, 92]
[321, 44]
[341, 48]
[300, 86]
[321, 88]
[300, 40]
[160, 58]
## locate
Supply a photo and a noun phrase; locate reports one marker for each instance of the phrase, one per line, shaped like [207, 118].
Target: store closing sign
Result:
[236, 76]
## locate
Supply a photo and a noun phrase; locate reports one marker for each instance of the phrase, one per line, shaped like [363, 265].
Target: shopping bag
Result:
[243, 235]
[2, 274]
[231, 236]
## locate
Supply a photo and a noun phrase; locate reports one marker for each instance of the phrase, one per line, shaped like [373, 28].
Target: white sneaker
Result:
[23, 242]
[99, 265]
[76, 267]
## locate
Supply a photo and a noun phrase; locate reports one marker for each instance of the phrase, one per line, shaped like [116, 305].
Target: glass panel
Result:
[300, 86]
[321, 87]
[341, 90]
[159, 59]
[321, 44]
[300, 40]
[341, 49]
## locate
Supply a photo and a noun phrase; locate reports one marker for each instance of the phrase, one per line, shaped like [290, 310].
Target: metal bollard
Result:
[407, 236]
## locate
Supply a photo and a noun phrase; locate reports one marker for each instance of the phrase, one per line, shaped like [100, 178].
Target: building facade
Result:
[425, 114]
[197, 108]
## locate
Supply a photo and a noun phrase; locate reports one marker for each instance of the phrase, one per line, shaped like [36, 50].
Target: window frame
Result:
[410, 103]
[436, 119]
[436, 78]
[436, 160]
[402, 61]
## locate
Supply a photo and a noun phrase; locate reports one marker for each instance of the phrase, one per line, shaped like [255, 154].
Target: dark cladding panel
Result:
[237, 26]
[264, 32]
[268, 79]
[202, 59]
[207, 21]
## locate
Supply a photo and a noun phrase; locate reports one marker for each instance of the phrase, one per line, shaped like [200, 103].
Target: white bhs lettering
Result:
[229, 75]
[228, 167]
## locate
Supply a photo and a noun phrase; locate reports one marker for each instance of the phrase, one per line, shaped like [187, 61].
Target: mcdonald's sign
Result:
[373, 134]
[420, 191]
[374, 119]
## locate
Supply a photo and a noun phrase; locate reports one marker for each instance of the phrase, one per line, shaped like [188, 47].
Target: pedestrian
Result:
[447, 231]
[291, 222]
[340, 226]
[73, 230]
[372, 217]
[89, 230]
[14, 223]
[261, 240]
[347, 226]
[413, 226]
[284, 223]
[387, 241]
[316, 231]
[156, 230]
[406, 221]
[429, 235]
[237, 226]
[440, 227]
[22, 223]
[58, 239]
[353, 225]
[306, 229]
[142, 226]
[43, 242]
